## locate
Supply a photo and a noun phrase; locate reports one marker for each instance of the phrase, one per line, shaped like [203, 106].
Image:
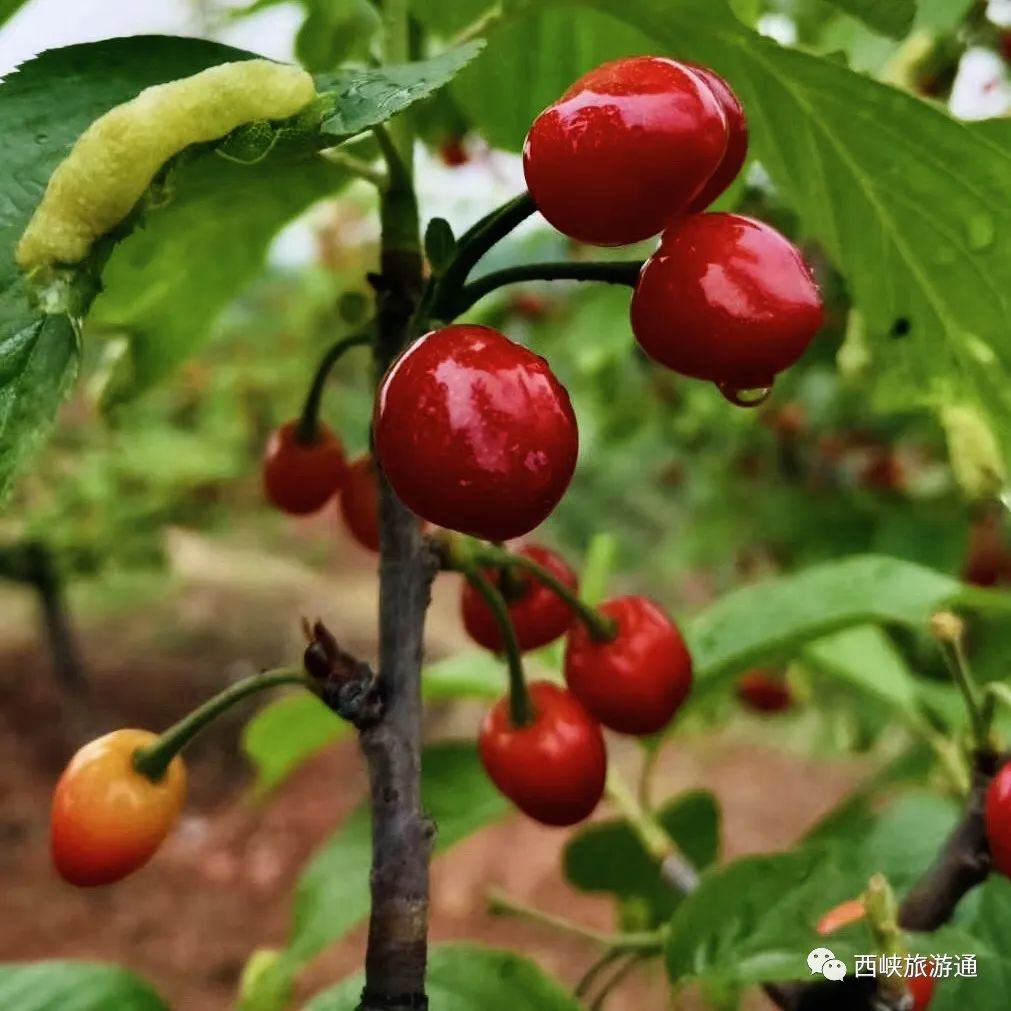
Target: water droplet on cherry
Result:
[753, 397]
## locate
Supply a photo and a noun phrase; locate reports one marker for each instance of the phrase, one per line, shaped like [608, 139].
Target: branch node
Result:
[347, 685]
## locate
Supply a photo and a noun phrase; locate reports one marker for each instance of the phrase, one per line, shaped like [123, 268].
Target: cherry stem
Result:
[615, 272]
[520, 714]
[470, 247]
[961, 672]
[601, 628]
[153, 760]
[500, 904]
[675, 868]
[307, 431]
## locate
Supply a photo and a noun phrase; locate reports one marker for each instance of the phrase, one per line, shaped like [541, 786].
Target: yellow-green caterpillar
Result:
[114, 161]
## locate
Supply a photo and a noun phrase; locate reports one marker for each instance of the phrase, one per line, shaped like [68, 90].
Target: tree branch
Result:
[397, 952]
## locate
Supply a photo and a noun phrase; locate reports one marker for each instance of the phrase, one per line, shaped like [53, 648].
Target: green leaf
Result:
[333, 894]
[778, 616]
[753, 920]
[913, 207]
[893, 18]
[474, 674]
[287, 732]
[608, 856]
[867, 659]
[367, 97]
[597, 568]
[334, 31]
[8, 8]
[44, 107]
[167, 282]
[440, 244]
[983, 933]
[464, 977]
[74, 986]
[531, 60]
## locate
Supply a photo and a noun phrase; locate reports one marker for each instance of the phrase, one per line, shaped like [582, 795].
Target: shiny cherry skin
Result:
[553, 769]
[725, 298]
[998, 819]
[627, 147]
[922, 989]
[737, 137]
[359, 502]
[764, 692]
[301, 477]
[475, 433]
[107, 818]
[635, 682]
[538, 614]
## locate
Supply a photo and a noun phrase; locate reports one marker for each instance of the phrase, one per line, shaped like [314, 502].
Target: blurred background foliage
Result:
[700, 496]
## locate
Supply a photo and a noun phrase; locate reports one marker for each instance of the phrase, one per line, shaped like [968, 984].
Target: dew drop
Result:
[753, 397]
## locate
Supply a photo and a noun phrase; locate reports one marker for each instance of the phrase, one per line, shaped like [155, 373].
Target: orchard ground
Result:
[222, 885]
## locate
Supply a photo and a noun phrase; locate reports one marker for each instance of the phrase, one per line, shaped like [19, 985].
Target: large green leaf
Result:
[167, 282]
[74, 986]
[463, 977]
[780, 615]
[983, 933]
[333, 894]
[893, 17]
[365, 98]
[44, 107]
[753, 920]
[867, 659]
[530, 61]
[608, 856]
[912, 206]
[287, 732]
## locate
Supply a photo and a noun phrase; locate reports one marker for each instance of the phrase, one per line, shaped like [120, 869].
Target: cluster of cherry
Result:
[476, 435]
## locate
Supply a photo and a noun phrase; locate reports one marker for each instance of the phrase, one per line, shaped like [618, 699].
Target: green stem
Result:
[601, 628]
[479, 28]
[631, 960]
[675, 868]
[357, 167]
[308, 422]
[153, 760]
[470, 247]
[503, 905]
[519, 701]
[961, 672]
[618, 272]
[396, 16]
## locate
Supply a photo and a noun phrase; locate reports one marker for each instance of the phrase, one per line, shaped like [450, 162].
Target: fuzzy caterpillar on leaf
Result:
[115, 160]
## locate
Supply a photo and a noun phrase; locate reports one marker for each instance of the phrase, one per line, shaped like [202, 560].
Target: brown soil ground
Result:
[220, 888]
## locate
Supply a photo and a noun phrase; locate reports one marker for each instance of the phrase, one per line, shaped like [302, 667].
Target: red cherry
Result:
[727, 299]
[626, 148]
[538, 614]
[300, 477]
[553, 769]
[359, 502]
[764, 692]
[635, 682]
[737, 137]
[998, 819]
[453, 152]
[921, 988]
[883, 471]
[475, 433]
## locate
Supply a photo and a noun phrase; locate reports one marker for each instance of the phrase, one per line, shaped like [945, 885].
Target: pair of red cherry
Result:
[638, 147]
[554, 767]
[301, 474]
